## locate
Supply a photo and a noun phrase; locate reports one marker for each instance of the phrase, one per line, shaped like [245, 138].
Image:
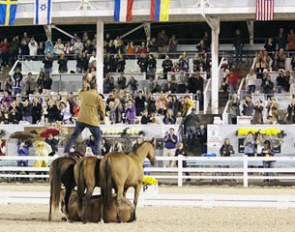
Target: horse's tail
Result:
[80, 184]
[55, 183]
[107, 188]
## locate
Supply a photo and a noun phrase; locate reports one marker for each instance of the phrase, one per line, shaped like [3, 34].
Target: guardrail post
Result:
[245, 172]
[180, 170]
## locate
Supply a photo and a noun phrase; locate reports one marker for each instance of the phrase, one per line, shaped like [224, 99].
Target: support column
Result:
[250, 25]
[214, 23]
[99, 55]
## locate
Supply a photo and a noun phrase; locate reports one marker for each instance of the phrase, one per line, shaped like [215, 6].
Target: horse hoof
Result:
[63, 219]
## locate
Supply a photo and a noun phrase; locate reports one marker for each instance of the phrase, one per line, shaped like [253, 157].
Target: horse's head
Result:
[152, 151]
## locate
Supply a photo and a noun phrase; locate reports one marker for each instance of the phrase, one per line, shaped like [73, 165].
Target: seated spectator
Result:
[118, 111]
[53, 143]
[120, 63]
[62, 64]
[2, 147]
[272, 108]
[130, 48]
[142, 49]
[105, 147]
[6, 99]
[251, 81]
[65, 112]
[155, 87]
[14, 113]
[248, 106]
[258, 113]
[7, 85]
[181, 86]
[121, 82]
[183, 62]
[226, 149]
[169, 87]
[27, 112]
[169, 118]
[146, 118]
[270, 46]
[197, 63]
[281, 82]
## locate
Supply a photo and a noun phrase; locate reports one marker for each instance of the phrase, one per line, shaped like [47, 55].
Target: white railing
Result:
[225, 113]
[242, 168]
[207, 95]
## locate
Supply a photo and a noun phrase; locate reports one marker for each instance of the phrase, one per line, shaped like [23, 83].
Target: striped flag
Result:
[160, 10]
[123, 10]
[42, 11]
[264, 10]
[7, 12]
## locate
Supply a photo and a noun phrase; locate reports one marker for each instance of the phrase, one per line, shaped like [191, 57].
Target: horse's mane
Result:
[139, 145]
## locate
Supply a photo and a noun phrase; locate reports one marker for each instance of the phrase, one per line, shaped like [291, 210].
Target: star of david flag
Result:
[42, 11]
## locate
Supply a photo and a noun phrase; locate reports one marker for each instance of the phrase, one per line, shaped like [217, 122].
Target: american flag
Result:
[264, 10]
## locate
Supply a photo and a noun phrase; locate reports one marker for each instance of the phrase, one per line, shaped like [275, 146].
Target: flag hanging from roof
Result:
[42, 9]
[7, 12]
[264, 10]
[160, 10]
[123, 10]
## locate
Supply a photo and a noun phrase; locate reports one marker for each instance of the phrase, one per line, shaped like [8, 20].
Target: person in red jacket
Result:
[4, 48]
[233, 79]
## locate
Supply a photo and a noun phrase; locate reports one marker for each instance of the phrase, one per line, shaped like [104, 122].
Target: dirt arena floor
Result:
[29, 218]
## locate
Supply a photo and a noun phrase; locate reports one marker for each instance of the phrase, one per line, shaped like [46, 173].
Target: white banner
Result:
[42, 11]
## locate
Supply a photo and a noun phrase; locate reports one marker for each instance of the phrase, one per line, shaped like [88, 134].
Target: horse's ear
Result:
[153, 141]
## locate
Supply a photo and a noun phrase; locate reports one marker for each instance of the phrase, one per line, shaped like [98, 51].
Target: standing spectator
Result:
[130, 49]
[173, 46]
[130, 112]
[152, 66]
[202, 135]
[281, 82]
[121, 82]
[191, 123]
[272, 108]
[183, 63]
[52, 112]
[7, 85]
[267, 86]
[105, 147]
[140, 101]
[48, 48]
[145, 118]
[27, 111]
[14, 49]
[36, 110]
[238, 45]
[108, 84]
[47, 83]
[17, 76]
[78, 46]
[226, 149]
[180, 151]
[197, 62]
[167, 66]
[14, 113]
[291, 112]
[162, 42]
[40, 81]
[268, 151]
[249, 145]
[24, 45]
[6, 99]
[281, 40]
[33, 46]
[30, 84]
[201, 46]
[65, 112]
[291, 40]
[281, 59]
[152, 45]
[248, 106]
[233, 78]
[142, 63]
[68, 50]
[48, 63]
[80, 63]
[92, 59]
[133, 85]
[170, 142]
[196, 83]
[142, 49]
[155, 87]
[258, 113]
[251, 81]
[22, 150]
[4, 52]
[62, 64]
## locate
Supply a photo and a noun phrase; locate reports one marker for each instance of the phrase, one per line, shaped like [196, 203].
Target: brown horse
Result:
[122, 171]
[61, 172]
[94, 210]
[86, 174]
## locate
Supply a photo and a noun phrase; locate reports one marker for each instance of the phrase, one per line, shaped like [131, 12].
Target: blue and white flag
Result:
[42, 12]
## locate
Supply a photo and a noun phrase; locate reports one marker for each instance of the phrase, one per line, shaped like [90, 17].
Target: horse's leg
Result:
[137, 189]
[85, 203]
[119, 201]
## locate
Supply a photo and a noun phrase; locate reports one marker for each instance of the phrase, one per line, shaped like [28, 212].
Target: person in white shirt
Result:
[66, 112]
[92, 59]
[251, 81]
[58, 47]
[78, 46]
[33, 47]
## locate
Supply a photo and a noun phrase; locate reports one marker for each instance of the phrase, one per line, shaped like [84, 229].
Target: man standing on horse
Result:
[92, 110]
